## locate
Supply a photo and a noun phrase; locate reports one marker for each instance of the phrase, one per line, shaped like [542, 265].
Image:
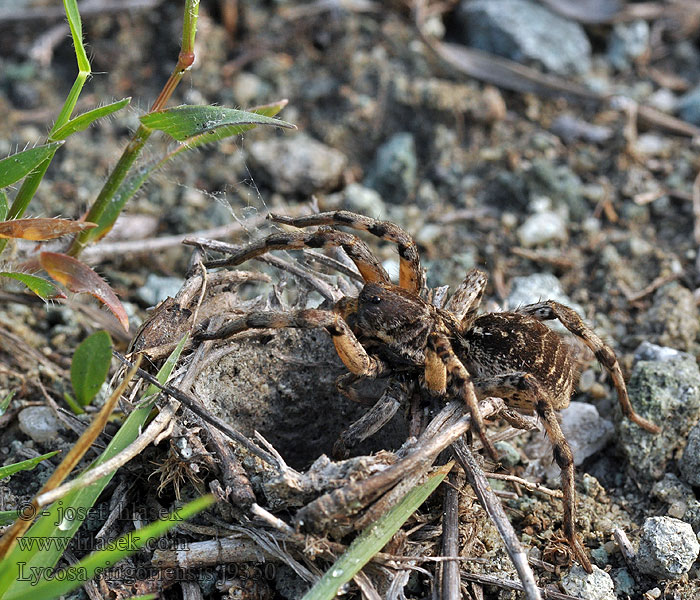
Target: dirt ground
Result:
[594, 191]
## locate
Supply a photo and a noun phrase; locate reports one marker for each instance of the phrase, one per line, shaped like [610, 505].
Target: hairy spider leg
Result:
[367, 264]
[549, 310]
[465, 301]
[440, 350]
[529, 392]
[411, 275]
[349, 349]
[373, 420]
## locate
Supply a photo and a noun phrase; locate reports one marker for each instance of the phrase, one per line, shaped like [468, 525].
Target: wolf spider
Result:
[391, 331]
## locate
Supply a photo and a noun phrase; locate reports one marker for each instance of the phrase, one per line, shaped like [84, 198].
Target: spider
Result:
[392, 331]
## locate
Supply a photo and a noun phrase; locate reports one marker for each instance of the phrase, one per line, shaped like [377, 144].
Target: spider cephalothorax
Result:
[392, 331]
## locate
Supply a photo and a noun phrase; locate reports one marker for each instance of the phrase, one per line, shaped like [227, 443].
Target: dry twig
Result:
[493, 507]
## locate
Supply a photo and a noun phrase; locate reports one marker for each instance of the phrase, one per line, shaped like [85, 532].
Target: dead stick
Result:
[493, 507]
[450, 541]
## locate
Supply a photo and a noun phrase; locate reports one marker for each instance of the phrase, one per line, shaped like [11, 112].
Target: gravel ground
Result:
[589, 202]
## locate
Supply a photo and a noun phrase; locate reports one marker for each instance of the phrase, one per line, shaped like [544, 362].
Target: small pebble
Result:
[363, 200]
[667, 548]
[157, 288]
[297, 164]
[628, 42]
[540, 228]
[394, 170]
[507, 454]
[690, 461]
[39, 423]
[594, 586]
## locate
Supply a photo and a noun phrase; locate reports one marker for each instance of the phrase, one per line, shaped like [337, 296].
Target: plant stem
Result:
[140, 137]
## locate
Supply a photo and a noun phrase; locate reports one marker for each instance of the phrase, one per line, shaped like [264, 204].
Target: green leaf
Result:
[76, 31]
[52, 525]
[90, 366]
[40, 286]
[73, 404]
[4, 206]
[75, 575]
[25, 465]
[83, 121]
[373, 539]
[16, 166]
[7, 517]
[5, 403]
[183, 122]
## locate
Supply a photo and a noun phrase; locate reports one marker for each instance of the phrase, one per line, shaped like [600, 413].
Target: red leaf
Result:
[78, 278]
[39, 229]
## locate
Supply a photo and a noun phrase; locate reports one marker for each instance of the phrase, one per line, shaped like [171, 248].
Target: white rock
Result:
[39, 423]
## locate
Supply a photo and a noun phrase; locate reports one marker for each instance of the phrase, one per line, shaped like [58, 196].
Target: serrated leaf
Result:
[90, 366]
[83, 121]
[78, 278]
[16, 166]
[40, 228]
[183, 122]
[25, 465]
[40, 286]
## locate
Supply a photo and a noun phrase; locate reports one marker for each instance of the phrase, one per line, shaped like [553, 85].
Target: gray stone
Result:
[507, 453]
[297, 164]
[526, 32]
[673, 319]
[594, 586]
[624, 582]
[628, 42]
[688, 106]
[538, 287]
[363, 200]
[585, 430]
[667, 548]
[39, 423]
[690, 460]
[157, 288]
[542, 227]
[561, 184]
[665, 390]
[681, 500]
[393, 172]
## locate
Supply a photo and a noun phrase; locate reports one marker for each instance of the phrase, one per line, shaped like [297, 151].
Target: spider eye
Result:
[375, 299]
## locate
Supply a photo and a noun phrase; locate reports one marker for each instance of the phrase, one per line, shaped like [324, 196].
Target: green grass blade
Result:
[14, 167]
[75, 575]
[83, 121]
[90, 365]
[7, 517]
[4, 206]
[373, 539]
[25, 465]
[183, 122]
[5, 402]
[126, 191]
[52, 525]
[40, 286]
[76, 31]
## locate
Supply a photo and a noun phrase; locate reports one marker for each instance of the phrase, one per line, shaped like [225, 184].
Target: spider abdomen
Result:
[511, 342]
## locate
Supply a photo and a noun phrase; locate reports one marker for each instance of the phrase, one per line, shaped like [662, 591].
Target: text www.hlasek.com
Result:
[45, 543]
